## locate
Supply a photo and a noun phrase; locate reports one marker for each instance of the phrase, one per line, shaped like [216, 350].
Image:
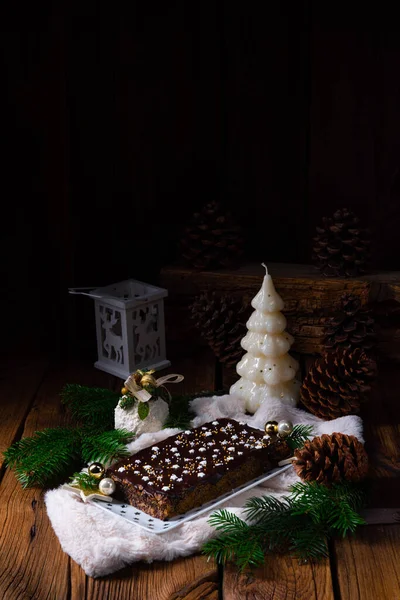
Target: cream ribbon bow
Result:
[143, 395]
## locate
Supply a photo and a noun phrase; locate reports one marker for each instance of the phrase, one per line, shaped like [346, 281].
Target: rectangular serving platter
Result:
[153, 525]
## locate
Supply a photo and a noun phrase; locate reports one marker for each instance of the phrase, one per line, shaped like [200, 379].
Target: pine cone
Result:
[341, 247]
[337, 383]
[351, 327]
[331, 458]
[222, 322]
[212, 240]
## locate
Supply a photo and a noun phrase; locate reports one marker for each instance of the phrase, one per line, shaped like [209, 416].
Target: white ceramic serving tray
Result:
[143, 520]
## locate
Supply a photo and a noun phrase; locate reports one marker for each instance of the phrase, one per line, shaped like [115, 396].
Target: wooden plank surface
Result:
[280, 577]
[32, 563]
[191, 578]
[381, 416]
[19, 382]
[367, 565]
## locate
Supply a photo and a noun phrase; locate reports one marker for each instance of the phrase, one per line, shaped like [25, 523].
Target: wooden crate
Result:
[309, 298]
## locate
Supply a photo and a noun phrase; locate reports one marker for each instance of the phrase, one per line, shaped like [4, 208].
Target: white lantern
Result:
[129, 326]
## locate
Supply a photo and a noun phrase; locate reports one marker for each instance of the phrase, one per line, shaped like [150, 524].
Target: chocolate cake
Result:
[195, 466]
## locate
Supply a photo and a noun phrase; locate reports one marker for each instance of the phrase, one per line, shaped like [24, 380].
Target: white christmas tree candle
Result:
[266, 370]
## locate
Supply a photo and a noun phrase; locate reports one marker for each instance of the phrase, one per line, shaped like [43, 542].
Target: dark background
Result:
[117, 123]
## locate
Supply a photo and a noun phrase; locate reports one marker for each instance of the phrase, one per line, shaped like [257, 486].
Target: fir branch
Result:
[85, 482]
[180, 414]
[127, 401]
[223, 519]
[105, 447]
[298, 436]
[92, 407]
[47, 455]
[310, 543]
[300, 524]
[238, 541]
[258, 508]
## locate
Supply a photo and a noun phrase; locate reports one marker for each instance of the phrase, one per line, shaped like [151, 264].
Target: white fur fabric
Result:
[103, 543]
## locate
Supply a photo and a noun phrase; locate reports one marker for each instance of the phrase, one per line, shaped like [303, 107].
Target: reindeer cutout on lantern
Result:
[112, 341]
[148, 337]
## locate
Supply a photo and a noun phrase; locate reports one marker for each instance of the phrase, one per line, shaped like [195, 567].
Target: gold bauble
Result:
[124, 391]
[96, 470]
[148, 379]
[137, 376]
[271, 427]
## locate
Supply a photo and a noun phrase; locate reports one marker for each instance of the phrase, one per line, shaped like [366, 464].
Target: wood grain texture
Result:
[34, 566]
[382, 434]
[280, 577]
[308, 297]
[32, 562]
[367, 565]
[303, 289]
[19, 382]
[191, 578]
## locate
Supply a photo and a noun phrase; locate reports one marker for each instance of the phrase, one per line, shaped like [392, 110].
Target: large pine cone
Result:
[351, 327]
[331, 458]
[337, 383]
[341, 247]
[222, 322]
[212, 239]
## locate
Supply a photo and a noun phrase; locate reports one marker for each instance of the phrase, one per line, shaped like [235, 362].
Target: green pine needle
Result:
[127, 401]
[92, 407]
[47, 455]
[300, 524]
[105, 447]
[180, 415]
[85, 482]
[298, 436]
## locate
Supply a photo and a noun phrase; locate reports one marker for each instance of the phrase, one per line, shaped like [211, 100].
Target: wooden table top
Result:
[33, 565]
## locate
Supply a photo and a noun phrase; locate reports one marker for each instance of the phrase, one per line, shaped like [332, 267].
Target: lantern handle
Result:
[79, 292]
